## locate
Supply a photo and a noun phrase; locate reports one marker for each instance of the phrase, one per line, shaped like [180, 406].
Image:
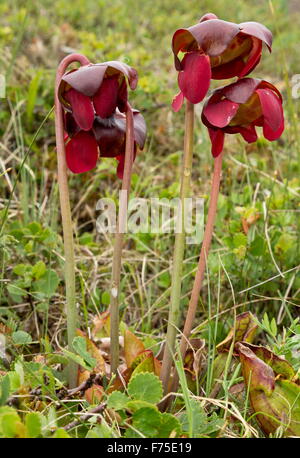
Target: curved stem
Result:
[117, 255]
[174, 312]
[202, 260]
[66, 213]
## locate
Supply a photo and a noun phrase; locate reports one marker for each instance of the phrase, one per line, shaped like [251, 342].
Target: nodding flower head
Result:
[215, 49]
[239, 108]
[95, 100]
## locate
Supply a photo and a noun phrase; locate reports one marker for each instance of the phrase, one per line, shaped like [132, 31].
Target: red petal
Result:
[177, 101]
[228, 70]
[105, 99]
[217, 141]
[81, 153]
[253, 59]
[221, 113]
[120, 168]
[257, 30]
[273, 114]
[249, 133]
[240, 91]
[195, 78]
[82, 108]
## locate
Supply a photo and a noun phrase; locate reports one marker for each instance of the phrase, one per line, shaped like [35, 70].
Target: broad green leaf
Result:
[33, 424]
[47, 284]
[117, 401]
[39, 269]
[145, 387]
[21, 338]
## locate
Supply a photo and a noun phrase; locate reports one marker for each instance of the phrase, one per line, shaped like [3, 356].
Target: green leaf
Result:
[239, 239]
[39, 269]
[145, 387]
[80, 346]
[5, 388]
[10, 423]
[47, 284]
[33, 424]
[60, 433]
[21, 338]
[117, 401]
[147, 421]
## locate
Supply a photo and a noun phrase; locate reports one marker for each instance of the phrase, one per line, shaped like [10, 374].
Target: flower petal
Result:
[115, 68]
[140, 128]
[217, 141]
[228, 70]
[105, 99]
[257, 30]
[241, 91]
[111, 140]
[273, 114]
[81, 153]
[220, 114]
[253, 59]
[82, 108]
[195, 78]
[86, 79]
[177, 101]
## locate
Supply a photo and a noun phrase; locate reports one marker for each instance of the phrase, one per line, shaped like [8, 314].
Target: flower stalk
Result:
[178, 257]
[203, 258]
[66, 214]
[117, 255]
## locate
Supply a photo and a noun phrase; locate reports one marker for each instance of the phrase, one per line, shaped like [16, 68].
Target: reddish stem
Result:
[66, 212]
[202, 260]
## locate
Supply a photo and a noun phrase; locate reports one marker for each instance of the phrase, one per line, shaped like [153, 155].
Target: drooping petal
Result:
[120, 167]
[257, 30]
[253, 59]
[140, 128]
[273, 114]
[249, 133]
[86, 79]
[195, 78]
[177, 101]
[122, 96]
[81, 152]
[70, 124]
[241, 90]
[217, 141]
[115, 68]
[221, 113]
[105, 99]
[111, 139]
[228, 70]
[82, 108]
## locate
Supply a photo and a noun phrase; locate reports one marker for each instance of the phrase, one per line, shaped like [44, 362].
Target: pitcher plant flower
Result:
[215, 49]
[240, 108]
[92, 108]
[95, 101]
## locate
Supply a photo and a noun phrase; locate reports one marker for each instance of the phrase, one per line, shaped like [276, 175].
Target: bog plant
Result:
[94, 120]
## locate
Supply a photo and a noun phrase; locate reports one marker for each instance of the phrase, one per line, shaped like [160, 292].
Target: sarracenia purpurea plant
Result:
[216, 49]
[93, 118]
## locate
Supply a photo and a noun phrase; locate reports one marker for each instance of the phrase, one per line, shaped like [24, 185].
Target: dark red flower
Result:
[239, 108]
[95, 100]
[215, 49]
